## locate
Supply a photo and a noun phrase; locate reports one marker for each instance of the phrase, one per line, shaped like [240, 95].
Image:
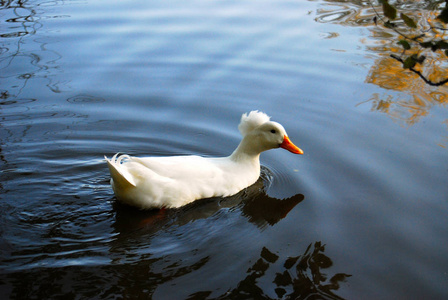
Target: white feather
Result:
[251, 121]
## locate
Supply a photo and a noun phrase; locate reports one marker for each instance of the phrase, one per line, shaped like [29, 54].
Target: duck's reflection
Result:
[166, 245]
[254, 203]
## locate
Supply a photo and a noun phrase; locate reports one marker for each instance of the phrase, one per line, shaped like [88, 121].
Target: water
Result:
[362, 214]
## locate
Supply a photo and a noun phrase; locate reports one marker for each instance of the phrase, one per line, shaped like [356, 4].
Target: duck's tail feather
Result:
[119, 174]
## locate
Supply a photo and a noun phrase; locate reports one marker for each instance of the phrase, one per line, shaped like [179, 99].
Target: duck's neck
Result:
[246, 152]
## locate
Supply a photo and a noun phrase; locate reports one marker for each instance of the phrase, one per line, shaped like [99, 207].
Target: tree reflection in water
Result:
[302, 278]
[22, 57]
[130, 267]
[416, 98]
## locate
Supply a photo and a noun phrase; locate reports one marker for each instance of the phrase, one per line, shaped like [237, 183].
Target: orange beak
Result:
[288, 145]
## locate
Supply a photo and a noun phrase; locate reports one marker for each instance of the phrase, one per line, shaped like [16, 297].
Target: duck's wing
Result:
[178, 167]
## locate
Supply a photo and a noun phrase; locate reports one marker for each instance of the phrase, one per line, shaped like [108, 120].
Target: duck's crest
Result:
[250, 121]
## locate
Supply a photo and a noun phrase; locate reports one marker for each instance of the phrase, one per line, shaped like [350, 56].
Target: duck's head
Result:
[261, 134]
[272, 135]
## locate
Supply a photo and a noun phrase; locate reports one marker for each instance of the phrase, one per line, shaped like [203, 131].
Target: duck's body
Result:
[174, 181]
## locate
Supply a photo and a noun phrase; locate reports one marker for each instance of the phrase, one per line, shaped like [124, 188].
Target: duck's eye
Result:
[273, 131]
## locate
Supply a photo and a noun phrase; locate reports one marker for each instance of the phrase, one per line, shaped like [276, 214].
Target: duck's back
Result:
[178, 180]
[181, 167]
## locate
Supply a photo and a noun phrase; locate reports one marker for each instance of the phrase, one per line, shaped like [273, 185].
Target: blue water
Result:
[361, 215]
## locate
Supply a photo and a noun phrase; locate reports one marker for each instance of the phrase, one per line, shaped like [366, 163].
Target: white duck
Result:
[169, 182]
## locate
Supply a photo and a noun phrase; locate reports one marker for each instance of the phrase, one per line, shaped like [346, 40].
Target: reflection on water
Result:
[23, 56]
[137, 262]
[164, 78]
[417, 97]
[253, 202]
[299, 277]
[302, 277]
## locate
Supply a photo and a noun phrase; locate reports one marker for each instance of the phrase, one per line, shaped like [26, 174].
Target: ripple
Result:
[329, 35]
[17, 101]
[267, 176]
[3, 50]
[277, 178]
[85, 99]
[334, 16]
[342, 14]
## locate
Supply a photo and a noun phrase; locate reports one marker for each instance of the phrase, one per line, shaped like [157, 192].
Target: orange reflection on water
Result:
[415, 97]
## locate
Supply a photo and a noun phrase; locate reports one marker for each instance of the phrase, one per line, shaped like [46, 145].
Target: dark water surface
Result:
[362, 215]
